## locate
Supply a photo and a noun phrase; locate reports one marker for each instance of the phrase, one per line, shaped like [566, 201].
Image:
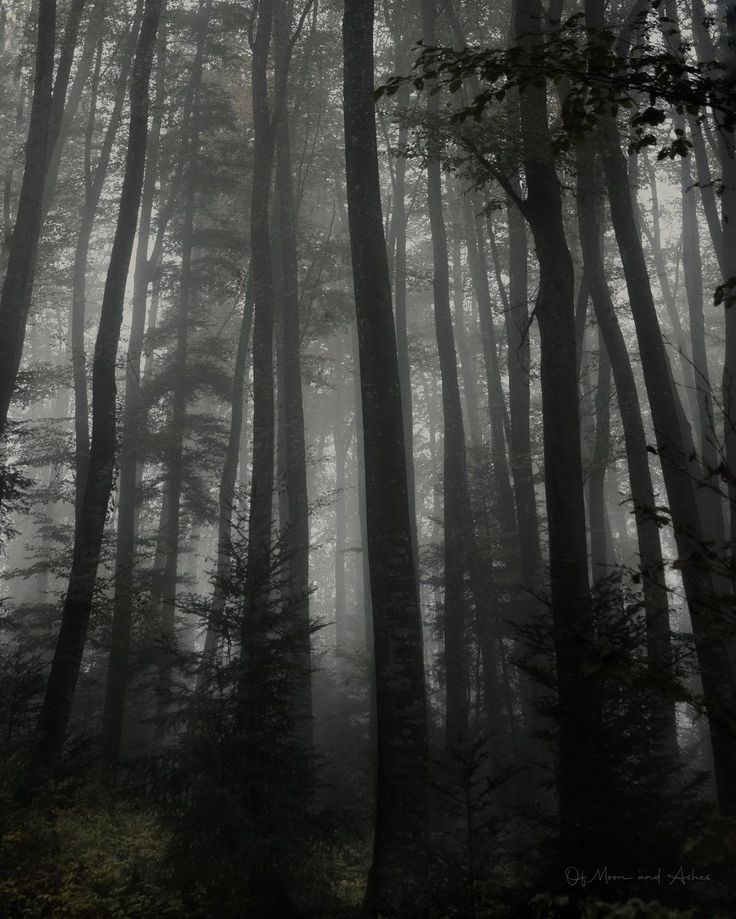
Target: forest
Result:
[368, 459]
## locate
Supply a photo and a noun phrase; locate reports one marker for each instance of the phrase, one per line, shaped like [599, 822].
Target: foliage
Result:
[98, 856]
[600, 75]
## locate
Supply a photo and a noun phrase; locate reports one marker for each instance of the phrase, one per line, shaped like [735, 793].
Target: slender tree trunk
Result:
[568, 555]
[677, 455]
[166, 613]
[15, 299]
[399, 223]
[689, 381]
[94, 180]
[56, 709]
[727, 157]
[520, 443]
[227, 487]
[656, 604]
[295, 529]
[122, 615]
[259, 558]
[496, 399]
[705, 423]
[340, 546]
[397, 882]
[454, 469]
[467, 368]
[600, 549]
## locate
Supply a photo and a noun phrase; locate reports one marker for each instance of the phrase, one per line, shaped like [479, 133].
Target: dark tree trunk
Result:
[399, 223]
[454, 470]
[520, 443]
[466, 364]
[122, 615]
[259, 559]
[568, 555]
[677, 454]
[496, 400]
[397, 882]
[601, 551]
[94, 180]
[659, 646]
[15, 299]
[47, 110]
[56, 709]
[166, 613]
[295, 528]
[687, 376]
[341, 445]
[227, 487]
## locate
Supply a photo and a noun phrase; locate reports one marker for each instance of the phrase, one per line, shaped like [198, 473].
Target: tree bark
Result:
[227, 488]
[56, 708]
[259, 565]
[166, 612]
[15, 299]
[398, 872]
[94, 180]
[678, 458]
[568, 555]
[122, 614]
[454, 466]
[295, 529]
[656, 603]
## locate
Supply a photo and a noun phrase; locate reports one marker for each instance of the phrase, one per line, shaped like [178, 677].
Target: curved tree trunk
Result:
[15, 299]
[93, 185]
[122, 613]
[227, 488]
[656, 604]
[47, 110]
[677, 455]
[568, 554]
[61, 686]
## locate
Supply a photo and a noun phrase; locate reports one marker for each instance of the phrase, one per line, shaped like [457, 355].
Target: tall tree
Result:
[397, 872]
[295, 528]
[49, 97]
[454, 465]
[677, 454]
[57, 704]
[166, 612]
[16, 292]
[125, 537]
[568, 553]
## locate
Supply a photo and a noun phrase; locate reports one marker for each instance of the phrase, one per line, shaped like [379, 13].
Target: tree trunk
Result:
[122, 613]
[677, 455]
[227, 487]
[295, 529]
[397, 881]
[15, 299]
[56, 709]
[47, 111]
[601, 551]
[454, 469]
[166, 613]
[568, 555]
[466, 363]
[259, 558]
[656, 604]
[94, 180]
